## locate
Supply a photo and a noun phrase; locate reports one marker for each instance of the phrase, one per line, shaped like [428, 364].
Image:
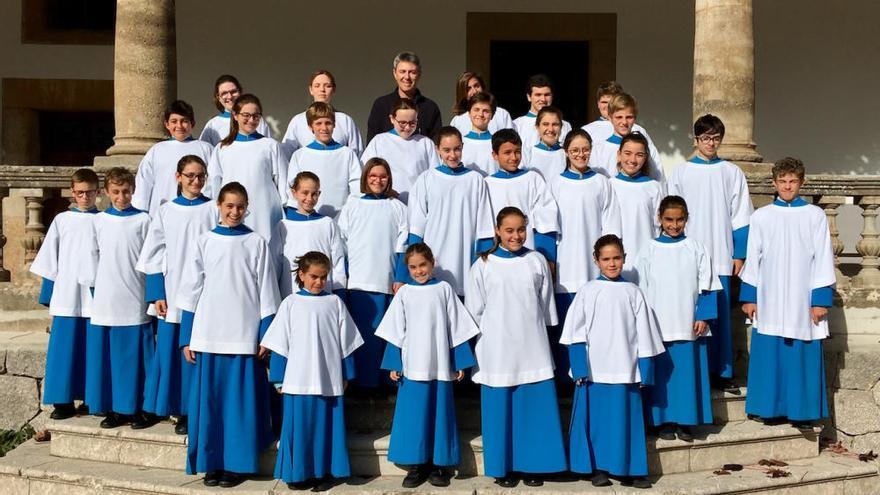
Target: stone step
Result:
[25, 320]
[743, 442]
[31, 469]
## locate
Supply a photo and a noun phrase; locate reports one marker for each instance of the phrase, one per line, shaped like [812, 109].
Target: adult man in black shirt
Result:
[407, 71]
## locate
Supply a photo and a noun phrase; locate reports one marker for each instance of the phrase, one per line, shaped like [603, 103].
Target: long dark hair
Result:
[236, 108]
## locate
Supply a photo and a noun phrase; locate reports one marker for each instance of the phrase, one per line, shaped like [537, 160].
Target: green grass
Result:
[10, 439]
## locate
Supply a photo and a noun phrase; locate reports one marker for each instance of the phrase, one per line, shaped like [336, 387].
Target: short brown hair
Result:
[320, 110]
[118, 175]
[622, 101]
[789, 165]
[482, 97]
[608, 88]
[86, 175]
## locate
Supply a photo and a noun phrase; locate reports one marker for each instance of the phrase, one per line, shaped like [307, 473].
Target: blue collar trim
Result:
[91, 210]
[479, 136]
[667, 239]
[303, 292]
[332, 145]
[571, 174]
[701, 161]
[640, 177]
[183, 201]
[293, 214]
[618, 279]
[225, 114]
[503, 253]
[430, 281]
[798, 201]
[188, 139]
[374, 196]
[615, 139]
[248, 137]
[504, 174]
[531, 115]
[542, 146]
[131, 210]
[240, 229]
[459, 170]
[601, 118]
[394, 132]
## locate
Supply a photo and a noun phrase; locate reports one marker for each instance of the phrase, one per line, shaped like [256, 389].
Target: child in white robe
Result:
[68, 242]
[539, 93]
[547, 156]
[638, 196]
[602, 128]
[623, 111]
[510, 294]
[174, 231]
[476, 152]
[322, 87]
[228, 295]
[675, 274]
[316, 335]
[788, 286]
[588, 209]
[427, 329]
[119, 308]
[248, 157]
[336, 165]
[450, 211]
[227, 90]
[156, 180]
[409, 154]
[374, 228]
[470, 83]
[718, 196]
[612, 336]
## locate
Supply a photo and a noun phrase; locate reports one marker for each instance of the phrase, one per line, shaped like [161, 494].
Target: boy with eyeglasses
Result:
[717, 195]
[156, 182]
[68, 241]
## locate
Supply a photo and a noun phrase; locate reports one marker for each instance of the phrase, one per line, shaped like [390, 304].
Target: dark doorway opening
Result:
[565, 62]
[74, 138]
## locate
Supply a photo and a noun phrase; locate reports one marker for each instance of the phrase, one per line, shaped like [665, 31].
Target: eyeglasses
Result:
[84, 193]
[192, 177]
[581, 151]
[230, 93]
[407, 123]
[249, 116]
[706, 138]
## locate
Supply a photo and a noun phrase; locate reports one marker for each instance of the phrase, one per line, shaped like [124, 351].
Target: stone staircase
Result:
[83, 458]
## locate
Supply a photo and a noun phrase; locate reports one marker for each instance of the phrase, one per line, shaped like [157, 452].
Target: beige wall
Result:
[811, 56]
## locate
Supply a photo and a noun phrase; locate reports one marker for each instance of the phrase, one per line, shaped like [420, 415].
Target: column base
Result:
[129, 161]
[737, 152]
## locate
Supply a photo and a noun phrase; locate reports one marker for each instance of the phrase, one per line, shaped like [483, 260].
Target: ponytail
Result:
[236, 108]
[504, 213]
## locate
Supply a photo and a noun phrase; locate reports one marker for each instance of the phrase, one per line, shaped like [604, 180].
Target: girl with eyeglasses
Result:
[227, 89]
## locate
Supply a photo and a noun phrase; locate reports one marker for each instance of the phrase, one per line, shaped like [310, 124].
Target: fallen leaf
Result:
[46, 435]
[721, 471]
[732, 467]
[777, 473]
[867, 456]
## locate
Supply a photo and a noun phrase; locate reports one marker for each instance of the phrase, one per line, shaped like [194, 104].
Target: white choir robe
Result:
[345, 132]
[527, 190]
[603, 159]
[337, 167]
[476, 153]
[156, 181]
[257, 163]
[218, 128]
[58, 262]
[639, 199]
[525, 126]
[450, 211]
[788, 270]
[296, 235]
[408, 158]
[500, 120]
[546, 160]
[601, 129]
[588, 209]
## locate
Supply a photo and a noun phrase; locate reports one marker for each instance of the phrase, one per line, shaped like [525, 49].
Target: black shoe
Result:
[640, 482]
[301, 485]
[415, 477]
[212, 478]
[114, 420]
[327, 484]
[506, 482]
[439, 477]
[773, 421]
[600, 479]
[725, 385]
[143, 420]
[82, 409]
[229, 479]
[181, 428]
[532, 480]
[684, 433]
[803, 425]
[666, 432]
[63, 411]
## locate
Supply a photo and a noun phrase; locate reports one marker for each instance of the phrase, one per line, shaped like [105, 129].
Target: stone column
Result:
[830, 205]
[724, 73]
[34, 230]
[144, 78]
[869, 245]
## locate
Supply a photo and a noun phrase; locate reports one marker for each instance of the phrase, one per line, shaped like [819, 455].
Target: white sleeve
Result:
[708, 279]
[418, 206]
[289, 143]
[579, 319]
[485, 221]
[402, 229]
[823, 256]
[215, 175]
[392, 328]
[283, 266]
[544, 212]
[143, 183]
[343, 221]
[349, 336]
[740, 203]
[267, 282]
[656, 165]
[263, 128]
[355, 140]
[87, 270]
[370, 151]
[277, 338]
[293, 169]
[647, 329]
[337, 258]
[46, 263]
[547, 297]
[750, 272]
[152, 257]
[354, 174]
[673, 188]
[462, 324]
[641, 266]
[611, 222]
[504, 120]
[475, 291]
[209, 135]
[192, 280]
[279, 173]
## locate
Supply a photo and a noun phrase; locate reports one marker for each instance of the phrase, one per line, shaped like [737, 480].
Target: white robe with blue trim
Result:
[408, 158]
[639, 201]
[476, 154]
[218, 128]
[156, 181]
[525, 126]
[528, 192]
[339, 170]
[294, 238]
[345, 132]
[500, 120]
[374, 231]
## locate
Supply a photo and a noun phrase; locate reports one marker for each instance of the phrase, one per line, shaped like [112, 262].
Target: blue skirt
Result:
[132, 349]
[228, 414]
[65, 377]
[608, 430]
[681, 393]
[560, 352]
[522, 431]
[424, 430]
[786, 378]
[99, 384]
[167, 388]
[721, 341]
[367, 310]
[313, 440]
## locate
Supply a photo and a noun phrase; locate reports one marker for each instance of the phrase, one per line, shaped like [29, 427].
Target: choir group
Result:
[534, 258]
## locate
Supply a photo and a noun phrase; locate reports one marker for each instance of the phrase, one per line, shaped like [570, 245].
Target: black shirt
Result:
[430, 119]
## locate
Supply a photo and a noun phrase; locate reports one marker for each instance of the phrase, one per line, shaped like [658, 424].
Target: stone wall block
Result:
[26, 362]
[858, 371]
[864, 443]
[856, 413]
[3, 362]
[20, 399]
